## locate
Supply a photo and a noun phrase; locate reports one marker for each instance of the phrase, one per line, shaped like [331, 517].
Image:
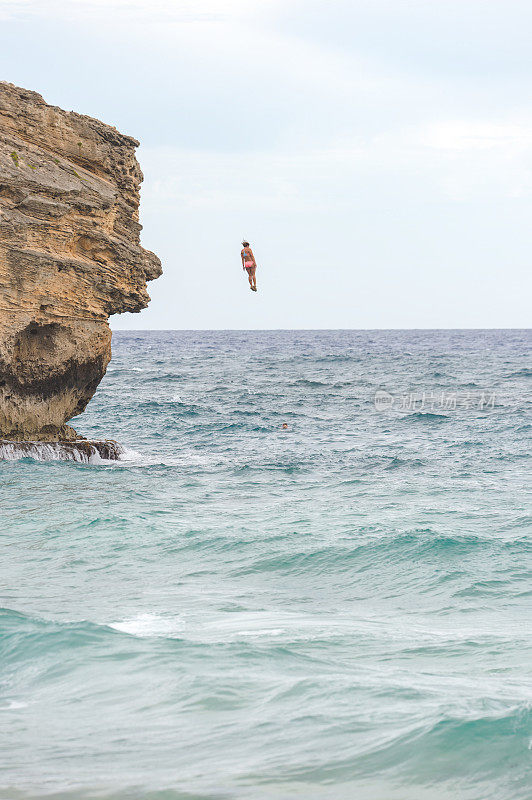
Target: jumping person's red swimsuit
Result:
[247, 257]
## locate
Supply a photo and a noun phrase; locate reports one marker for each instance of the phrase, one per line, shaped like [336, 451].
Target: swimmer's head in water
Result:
[285, 426]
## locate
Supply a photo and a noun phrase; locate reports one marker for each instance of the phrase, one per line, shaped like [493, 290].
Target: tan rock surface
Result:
[69, 257]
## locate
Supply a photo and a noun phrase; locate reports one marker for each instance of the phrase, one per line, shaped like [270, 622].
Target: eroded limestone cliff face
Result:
[69, 257]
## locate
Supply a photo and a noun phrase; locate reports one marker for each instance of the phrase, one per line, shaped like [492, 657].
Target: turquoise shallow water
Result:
[340, 610]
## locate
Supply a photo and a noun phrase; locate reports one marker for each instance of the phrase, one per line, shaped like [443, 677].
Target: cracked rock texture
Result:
[70, 256]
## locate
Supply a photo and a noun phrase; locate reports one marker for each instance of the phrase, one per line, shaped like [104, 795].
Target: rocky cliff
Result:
[69, 257]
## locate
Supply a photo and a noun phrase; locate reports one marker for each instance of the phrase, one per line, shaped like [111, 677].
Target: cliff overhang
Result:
[70, 256]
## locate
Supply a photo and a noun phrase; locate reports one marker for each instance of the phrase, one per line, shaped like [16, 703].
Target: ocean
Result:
[336, 610]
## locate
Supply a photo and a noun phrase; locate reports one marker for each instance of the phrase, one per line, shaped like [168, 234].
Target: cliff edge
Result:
[70, 256]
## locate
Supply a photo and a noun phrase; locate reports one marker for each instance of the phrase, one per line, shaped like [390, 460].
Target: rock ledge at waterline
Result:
[70, 256]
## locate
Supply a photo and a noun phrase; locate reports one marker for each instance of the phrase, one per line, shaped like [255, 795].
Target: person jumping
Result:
[249, 264]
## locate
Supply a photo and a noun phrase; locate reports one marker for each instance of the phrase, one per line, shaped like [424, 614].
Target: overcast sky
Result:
[376, 153]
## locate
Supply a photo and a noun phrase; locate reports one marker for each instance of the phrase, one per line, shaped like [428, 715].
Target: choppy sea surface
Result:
[337, 610]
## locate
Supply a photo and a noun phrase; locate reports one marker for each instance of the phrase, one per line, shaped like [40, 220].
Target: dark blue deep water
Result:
[336, 611]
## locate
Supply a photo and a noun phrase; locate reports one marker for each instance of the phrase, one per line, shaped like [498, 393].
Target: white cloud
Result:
[474, 136]
[137, 10]
[456, 160]
[480, 158]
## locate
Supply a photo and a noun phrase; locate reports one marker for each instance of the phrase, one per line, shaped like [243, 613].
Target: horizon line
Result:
[286, 330]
